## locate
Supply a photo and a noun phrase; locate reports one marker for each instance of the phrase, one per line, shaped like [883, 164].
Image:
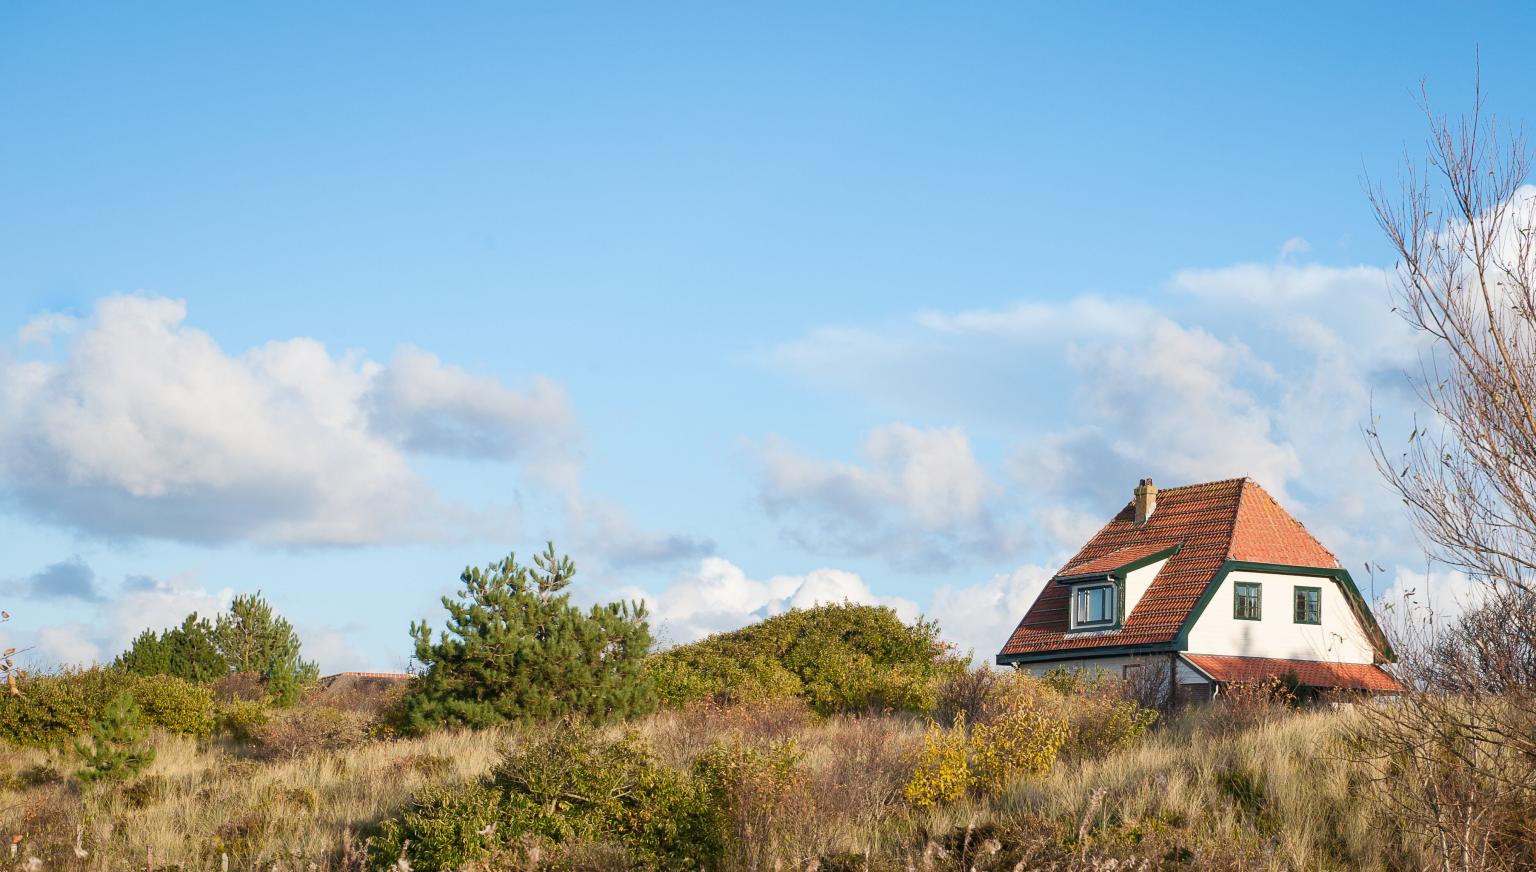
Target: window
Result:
[1248, 601]
[1130, 671]
[1093, 606]
[1309, 605]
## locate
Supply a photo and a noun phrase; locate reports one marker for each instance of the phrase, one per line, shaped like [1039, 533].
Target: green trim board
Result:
[1084, 654]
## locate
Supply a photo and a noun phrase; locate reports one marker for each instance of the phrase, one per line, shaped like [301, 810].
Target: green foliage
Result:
[838, 658]
[55, 708]
[242, 720]
[566, 788]
[446, 827]
[1101, 725]
[253, 638]
[515, 649]
[117, 750]
[187, 651]
[174, 704]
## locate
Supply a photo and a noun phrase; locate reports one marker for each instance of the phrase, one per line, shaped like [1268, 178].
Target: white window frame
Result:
[1079, 603]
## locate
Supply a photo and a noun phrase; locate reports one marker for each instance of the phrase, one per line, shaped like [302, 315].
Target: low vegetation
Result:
[833, 738]
[751, 786]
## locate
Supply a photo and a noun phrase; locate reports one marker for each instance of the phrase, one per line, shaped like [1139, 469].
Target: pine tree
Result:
[187, 651]
[253, 638]
[117, 750]
[515, 649]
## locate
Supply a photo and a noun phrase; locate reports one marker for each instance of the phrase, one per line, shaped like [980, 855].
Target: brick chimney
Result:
[1145, 500]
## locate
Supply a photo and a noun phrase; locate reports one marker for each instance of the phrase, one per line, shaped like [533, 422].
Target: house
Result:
[1201, 586]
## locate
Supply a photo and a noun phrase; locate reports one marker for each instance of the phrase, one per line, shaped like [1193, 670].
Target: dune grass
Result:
[1188, 796]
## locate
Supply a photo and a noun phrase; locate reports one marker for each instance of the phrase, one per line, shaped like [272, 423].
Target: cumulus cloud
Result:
[144, 426]
[1280, 284]
[158, 604]
[608, 529]
[1261, 369]
[109, 620]
[428, 406]
[718, 596]
[918, 494]
[979, 617]
[67, 579]
[66, 645]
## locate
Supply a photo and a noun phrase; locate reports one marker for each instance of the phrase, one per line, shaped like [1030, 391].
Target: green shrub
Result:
[174, 704]
[838, 658]
[54, 709]
[117, 750]
[241, 720]
[1102, 725]
[187, 651]
[57, 707]
[567, 789]
[516, 649]
[446, 827]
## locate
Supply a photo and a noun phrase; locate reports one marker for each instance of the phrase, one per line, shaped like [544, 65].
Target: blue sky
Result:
[745, 307]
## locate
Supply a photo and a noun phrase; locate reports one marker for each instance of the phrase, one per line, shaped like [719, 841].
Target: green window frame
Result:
[1094, 606]
[1307, 605]
[1248, 601]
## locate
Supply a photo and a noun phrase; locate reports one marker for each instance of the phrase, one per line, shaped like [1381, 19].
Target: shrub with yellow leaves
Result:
[943, 770]
[1022, 742]
[988, 757]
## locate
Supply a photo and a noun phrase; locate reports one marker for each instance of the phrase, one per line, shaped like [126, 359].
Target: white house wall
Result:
[1338, 639]
[1136, 583]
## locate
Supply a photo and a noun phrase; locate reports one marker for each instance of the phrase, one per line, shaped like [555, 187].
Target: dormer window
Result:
[1093, 606]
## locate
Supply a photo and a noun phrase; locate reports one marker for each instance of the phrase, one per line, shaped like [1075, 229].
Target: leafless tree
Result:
[1455, 757]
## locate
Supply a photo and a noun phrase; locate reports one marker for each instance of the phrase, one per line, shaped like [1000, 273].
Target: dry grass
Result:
[198, 802]
[1189, 796]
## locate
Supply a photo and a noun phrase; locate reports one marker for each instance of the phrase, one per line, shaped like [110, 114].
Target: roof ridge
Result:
[1219, 481]
[1237, 512]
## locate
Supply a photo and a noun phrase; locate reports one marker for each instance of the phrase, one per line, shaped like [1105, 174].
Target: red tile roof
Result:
[1115, 559]
[1213, 522]
[1312, 673]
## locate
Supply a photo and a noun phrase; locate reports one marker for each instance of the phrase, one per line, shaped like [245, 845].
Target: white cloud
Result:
[333, 648]
[718, 596]
[1177, 403]
[1261, 369]
[980, 617]
[1280, 284]
[1088, 315]
[436, 408]
[143, 426]
[158, 604]
[608, 529]
[918, 494]
[65, 645]
[42, 329]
